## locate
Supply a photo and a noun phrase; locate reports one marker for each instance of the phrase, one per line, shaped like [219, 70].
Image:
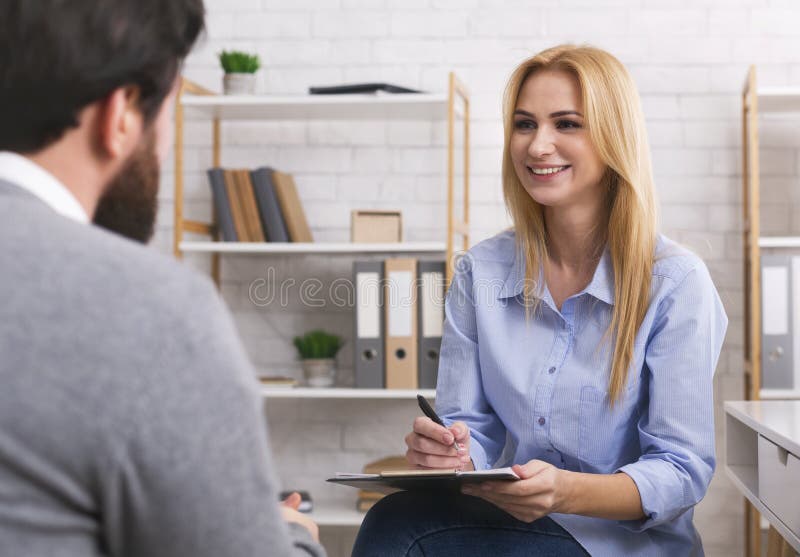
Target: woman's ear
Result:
[120, 123]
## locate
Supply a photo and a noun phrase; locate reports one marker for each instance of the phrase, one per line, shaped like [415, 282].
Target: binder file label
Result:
[431, 320]
[401, 324]
[369, 349]
[777, 359]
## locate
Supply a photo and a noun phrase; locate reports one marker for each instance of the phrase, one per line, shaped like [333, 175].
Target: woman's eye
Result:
[567, 125]
[524, 125]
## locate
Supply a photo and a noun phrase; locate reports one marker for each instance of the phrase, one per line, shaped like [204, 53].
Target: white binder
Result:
[369, 350]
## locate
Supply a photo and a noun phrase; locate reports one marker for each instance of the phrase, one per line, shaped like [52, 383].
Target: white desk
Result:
[762, 447]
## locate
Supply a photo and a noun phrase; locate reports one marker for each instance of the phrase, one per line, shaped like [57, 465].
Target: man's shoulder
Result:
[41, 245]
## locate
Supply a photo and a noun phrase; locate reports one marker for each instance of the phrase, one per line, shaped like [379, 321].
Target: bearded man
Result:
[130, 422]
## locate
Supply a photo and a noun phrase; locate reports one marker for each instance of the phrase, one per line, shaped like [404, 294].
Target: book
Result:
[277, 381]
[365, 505]
[390, 481]
[268, 207]
[222, 205]
[247, 198]
[368, 498]
[237, 212]
[291, 207]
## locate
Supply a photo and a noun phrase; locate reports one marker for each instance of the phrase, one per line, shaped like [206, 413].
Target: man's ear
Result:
[120, 123]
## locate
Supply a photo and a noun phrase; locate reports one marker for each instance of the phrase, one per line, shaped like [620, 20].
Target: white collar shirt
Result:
[26, 174]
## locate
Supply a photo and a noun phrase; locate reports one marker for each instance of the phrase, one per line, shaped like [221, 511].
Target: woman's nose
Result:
[542, 144]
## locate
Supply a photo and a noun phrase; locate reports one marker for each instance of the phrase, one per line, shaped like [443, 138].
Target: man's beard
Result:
[130, 202]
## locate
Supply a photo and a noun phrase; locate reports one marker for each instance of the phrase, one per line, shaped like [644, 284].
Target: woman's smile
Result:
[547, 173]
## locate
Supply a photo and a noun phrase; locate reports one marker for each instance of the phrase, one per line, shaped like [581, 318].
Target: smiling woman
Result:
[591, 372]
[551, 151]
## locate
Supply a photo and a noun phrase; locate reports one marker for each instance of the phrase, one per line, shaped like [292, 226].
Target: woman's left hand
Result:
[542, 490]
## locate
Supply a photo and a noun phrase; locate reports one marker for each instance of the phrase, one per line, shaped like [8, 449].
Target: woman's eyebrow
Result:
[566, 113]
[552, 115]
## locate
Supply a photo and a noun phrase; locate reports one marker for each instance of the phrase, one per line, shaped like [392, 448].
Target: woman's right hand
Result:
[431, 445]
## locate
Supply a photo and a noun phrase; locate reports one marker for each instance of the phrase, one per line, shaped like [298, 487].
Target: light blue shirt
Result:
[538, 389]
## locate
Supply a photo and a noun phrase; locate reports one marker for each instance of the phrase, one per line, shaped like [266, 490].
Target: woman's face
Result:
[550, 147]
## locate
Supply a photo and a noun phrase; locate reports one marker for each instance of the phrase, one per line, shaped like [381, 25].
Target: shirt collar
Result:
[601, 286]
[21, 171]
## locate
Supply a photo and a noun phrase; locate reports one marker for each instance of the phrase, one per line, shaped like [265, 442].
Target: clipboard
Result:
[447, 480]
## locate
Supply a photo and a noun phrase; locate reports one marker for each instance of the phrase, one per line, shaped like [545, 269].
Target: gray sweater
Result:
[130, 423]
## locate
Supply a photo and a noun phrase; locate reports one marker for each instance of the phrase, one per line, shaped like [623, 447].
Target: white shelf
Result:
[745, 478]
[778, 99]
[779, 242]
[337, 514]
[312, 248]
[406, 106]
[779, 394]
[340, 393]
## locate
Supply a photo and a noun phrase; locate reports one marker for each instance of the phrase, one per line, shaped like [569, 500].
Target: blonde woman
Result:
[579, 347]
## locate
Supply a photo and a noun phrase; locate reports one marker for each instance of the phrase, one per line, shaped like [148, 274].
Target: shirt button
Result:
[542, 421]
[551, 371]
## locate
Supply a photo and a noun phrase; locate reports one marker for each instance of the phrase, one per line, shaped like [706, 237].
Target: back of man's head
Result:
[58, 56]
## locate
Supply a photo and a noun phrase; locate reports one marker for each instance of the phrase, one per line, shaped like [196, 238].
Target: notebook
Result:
[418, 480]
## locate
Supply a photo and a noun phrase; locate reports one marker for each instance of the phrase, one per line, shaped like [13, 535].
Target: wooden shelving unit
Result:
[755, 102]
[196, 102]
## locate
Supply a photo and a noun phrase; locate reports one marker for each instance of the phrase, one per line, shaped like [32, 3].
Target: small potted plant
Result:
[240, 72]
[318, 351]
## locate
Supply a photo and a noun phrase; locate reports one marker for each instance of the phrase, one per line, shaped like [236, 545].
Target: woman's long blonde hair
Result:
[616, 127]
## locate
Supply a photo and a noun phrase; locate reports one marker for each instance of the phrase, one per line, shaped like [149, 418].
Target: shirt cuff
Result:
[660, 490]
[478, 455]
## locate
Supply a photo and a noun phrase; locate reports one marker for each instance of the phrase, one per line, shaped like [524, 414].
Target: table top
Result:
[777, 420]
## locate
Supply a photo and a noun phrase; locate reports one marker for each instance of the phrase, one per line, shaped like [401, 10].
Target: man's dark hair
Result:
[58, 56]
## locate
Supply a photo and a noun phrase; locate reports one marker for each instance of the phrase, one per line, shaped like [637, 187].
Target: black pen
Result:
[428, 410]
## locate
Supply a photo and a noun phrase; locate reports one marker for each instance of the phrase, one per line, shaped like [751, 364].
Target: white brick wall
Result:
[689, 59]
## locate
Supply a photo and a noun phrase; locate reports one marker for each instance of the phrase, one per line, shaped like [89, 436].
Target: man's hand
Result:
[290, 513]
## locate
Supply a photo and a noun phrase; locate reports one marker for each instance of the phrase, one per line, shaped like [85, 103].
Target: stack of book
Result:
[278, 381]
[258, 205]
[368, 498]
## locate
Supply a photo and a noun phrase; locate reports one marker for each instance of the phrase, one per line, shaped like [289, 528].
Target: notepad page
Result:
[489, 473]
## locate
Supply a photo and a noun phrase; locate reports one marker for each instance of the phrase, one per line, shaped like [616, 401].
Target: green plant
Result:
[235, 61]
[317, 344]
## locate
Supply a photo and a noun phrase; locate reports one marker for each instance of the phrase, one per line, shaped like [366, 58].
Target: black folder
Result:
[360, 88]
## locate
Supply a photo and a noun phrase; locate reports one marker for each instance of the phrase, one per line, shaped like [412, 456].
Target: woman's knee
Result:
[395, 522]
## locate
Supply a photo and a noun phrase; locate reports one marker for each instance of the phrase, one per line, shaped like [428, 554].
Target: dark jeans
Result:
[417, 524]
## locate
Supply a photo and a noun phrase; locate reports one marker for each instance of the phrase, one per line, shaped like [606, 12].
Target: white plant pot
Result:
[239, 83]
[320, 372]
